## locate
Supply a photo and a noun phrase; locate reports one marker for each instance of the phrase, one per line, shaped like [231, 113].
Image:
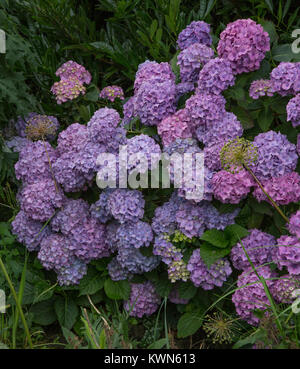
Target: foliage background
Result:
[103, 36]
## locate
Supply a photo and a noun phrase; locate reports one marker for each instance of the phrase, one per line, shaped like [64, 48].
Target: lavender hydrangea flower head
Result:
[289, 254]
[135, 262]
[128, 111]
[212, 156]
[215, 77]
[175, 126]
[285, 78]
[293, 110]
[166, 250]
[102, 124]
[16, 143]
[73, 139]
[204, 109]
[283, 190]
[298, 145]
[231, 187]
[40, 199]
[283, 288]
[244, 43]
[116, 271]
[192, 59]
[134, 235]
[67, 89]
[260, 247]
[100, 208]
[227, 128]
[249, 298]
[111, 236]
[215, 219]
[190, 218]
[112, 93]
[29, 232]
[143, 300]
[183, 88]
[261, 87]
[151, 71]
[195, 32]
[71, 69]
[126, 205]
[33, 162]
[276, 155]
[72, 274]
[208, 278]
[294, 224]
[154, 101]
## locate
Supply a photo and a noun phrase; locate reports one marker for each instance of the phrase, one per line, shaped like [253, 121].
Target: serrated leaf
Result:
[67, 311]
[188, 324]
[117, 290]
[210, 254]
[91, 283]
[215, 237]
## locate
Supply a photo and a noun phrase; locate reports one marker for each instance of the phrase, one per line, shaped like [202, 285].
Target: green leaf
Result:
[117, 290]
[215, 237]
[188, 324]
[270, 5]
[67, 311]
[270, 28]
[158, 344]
[187, 290]
[43, 312]
[91, 283]
[265, 119]
[282, 53]
[211, 254]
[163, 287]
[235, 232]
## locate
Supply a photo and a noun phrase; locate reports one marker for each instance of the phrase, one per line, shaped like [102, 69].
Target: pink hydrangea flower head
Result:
[67, 89]
[112, 93]
[71, 69]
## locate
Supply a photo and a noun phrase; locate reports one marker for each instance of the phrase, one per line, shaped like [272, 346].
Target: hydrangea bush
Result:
[150, 243]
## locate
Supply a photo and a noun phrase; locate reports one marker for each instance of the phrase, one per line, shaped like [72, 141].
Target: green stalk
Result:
[165, 323]
[268, 196]
[19, 307]
[20, 297]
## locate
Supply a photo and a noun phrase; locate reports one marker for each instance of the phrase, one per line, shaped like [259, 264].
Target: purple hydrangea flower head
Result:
[73, 139]
[244, 43]
[260, 247]
[71, 69]
[276, 155]
[192, 59]
[102, 125]
[231, 188]
[116, 271]
[151, 71]
[227, 128]
[289, 254]
[215, 219]
[166, 250]
[283, 288]
[293, 110]
[183, 88]
[212, 156]
[285, 78]
[134, 235]
[190, 218]
[208, 278]
[100, 208]
[195, 32]
[89, 241]
[155, 101]
[249, 298]
[40, 199]
[126, 205]
[175, 298]
[111, 235]
[71, 217]
[72, 274]
[16, 143]
[283, 190]
[33, 163]
[67, 89]
[143, 300]
[29, 232]
[112, 93]
[128, 111]
[261, 87]
[215, 77]
[294, 224]
[135, 262]
[298, 144]
[55, 252]
[204, 109]
[138, 147]
[174, 126]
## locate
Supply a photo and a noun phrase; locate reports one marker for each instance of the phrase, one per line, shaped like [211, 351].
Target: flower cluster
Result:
[112, 93]
[285, 78]
[260, 88]
[71, 84]
[288, 254]
[196, 32]
[293, 110]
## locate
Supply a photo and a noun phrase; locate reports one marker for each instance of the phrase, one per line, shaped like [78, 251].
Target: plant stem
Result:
[19, 307]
